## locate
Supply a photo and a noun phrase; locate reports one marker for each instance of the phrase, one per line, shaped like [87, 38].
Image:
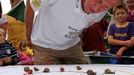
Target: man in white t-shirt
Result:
[54, 34]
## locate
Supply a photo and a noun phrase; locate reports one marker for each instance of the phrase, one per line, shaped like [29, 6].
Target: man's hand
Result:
[29, 43]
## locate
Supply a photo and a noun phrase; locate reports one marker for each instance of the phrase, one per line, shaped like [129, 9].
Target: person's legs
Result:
[74, 55]
[44, 56]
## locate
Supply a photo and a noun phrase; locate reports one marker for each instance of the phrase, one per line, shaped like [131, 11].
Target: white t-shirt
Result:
[59, 23]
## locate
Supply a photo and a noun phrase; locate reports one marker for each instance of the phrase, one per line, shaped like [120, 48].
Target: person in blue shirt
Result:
[121, 35]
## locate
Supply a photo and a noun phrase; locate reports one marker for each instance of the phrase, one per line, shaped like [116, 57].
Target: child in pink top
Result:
[25, 54]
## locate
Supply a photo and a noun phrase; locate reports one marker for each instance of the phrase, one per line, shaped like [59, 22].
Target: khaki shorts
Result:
[73, 55]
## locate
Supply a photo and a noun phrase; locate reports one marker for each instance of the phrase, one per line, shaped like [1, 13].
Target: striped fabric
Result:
[7, 50]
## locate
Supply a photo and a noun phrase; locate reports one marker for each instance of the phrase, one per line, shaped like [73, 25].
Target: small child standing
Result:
[121, 35]
[25, 54]
[8, 54]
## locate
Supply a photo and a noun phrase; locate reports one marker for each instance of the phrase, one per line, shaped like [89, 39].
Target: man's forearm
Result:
[29, 16]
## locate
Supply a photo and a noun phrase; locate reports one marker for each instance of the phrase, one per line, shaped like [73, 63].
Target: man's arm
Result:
[29, 17]
[94, 6]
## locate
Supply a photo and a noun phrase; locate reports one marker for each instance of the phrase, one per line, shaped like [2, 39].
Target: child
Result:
[8, 54]
[130, 7]
[3, 20]
[121, 35]
[25, 54]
